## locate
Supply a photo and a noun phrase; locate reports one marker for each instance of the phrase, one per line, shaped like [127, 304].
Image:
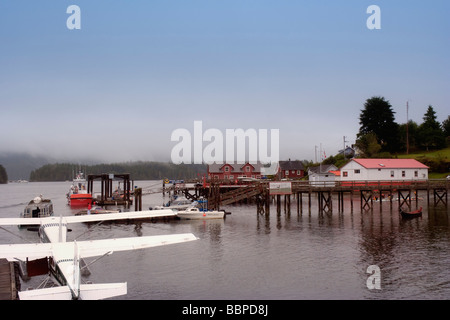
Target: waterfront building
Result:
[384, 170]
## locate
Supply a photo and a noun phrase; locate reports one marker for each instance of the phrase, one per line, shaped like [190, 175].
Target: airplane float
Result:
[64, 257]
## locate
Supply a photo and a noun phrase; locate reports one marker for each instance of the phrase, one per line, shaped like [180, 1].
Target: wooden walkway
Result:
[9, 281]
[221, 193]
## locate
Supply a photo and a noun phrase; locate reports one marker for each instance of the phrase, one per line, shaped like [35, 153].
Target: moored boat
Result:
[178, 203]
[411, 214]
[38, 208]
[78, 195]
[96, 210]
[197, 214]
[199, 211]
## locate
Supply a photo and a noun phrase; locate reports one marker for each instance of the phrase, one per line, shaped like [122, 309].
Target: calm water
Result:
[252, 256]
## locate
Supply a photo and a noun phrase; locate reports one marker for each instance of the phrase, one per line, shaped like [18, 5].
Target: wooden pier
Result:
[9, 280]
[220, 193]
[107, 197]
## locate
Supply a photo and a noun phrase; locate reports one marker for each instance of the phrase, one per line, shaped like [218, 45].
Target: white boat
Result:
[195, 213]
[179, 203]
[198, 211]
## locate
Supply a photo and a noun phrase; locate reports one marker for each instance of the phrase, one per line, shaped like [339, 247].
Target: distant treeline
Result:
[3, 175]
[137, 170]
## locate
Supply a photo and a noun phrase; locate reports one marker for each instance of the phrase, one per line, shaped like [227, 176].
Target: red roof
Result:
[390, 163]
[335, 172]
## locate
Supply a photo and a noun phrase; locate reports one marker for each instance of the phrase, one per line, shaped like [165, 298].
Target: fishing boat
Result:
[411, 214]
[78, 195]
[198, 211]
[38, 208]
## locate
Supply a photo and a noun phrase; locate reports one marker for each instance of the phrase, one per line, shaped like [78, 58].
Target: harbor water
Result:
[255, 256]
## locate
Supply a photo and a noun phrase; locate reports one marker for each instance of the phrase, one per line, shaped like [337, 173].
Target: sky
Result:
[115, 89]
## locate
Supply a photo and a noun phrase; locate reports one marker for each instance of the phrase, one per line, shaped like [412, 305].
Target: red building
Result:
[291, 169]
[228, 171]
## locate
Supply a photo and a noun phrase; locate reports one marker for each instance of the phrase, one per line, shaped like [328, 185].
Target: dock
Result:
[9, 280]
[220, 193]
[107, 197]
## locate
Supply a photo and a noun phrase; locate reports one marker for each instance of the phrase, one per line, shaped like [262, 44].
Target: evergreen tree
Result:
[430, 132]
[3, 175]
[368, 145]
[413, 129]
[378, 117]
[446, 127]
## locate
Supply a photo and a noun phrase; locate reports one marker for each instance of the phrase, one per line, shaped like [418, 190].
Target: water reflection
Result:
[280, 255]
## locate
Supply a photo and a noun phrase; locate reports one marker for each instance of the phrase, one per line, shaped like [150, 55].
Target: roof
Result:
[235, 167]
[322, 168]
[390, 163]
[291, 165]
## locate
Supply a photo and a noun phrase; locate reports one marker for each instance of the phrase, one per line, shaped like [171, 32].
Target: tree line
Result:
[380, 136]
[140, 170]
[3, 175]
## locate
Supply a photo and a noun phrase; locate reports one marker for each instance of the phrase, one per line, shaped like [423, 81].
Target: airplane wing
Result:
[121, 216]
[90, 248]
[21, 221]
[23, 251]
[89, 218]
[94, 248]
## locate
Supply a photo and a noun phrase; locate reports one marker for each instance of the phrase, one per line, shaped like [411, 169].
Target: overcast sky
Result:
[117, 88]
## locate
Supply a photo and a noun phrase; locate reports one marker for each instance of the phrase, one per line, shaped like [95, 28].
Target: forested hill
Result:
[137, 170]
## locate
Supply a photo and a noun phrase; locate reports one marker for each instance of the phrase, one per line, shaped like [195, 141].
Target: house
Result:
[291, 169]
[324, 168]
[227, 171]
[384, 170]
[348, 152]
[322, 179]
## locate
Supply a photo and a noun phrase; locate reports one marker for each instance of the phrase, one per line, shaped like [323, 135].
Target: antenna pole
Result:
[407, 133]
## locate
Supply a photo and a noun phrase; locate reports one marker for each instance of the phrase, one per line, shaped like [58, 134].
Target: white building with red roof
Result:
[384, 170]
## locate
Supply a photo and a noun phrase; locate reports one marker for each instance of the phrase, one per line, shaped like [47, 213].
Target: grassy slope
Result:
[436, 154]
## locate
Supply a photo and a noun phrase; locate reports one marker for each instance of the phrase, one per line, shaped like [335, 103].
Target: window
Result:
[227, 169]
[231, 177]
[392, 173]
[247, 169]
[416, 174]
[345, 174]
[299, 172]
[403, 174]
[357, 171]
[286, 172]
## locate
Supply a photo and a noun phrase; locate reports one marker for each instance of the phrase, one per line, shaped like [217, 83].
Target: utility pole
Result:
[315, 153]
[407, 133]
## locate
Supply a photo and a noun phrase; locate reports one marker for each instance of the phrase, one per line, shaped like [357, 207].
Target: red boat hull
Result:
[411, 214]
[80, 200]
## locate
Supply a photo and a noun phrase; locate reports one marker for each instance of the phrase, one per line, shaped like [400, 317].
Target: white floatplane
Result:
[64, 257]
